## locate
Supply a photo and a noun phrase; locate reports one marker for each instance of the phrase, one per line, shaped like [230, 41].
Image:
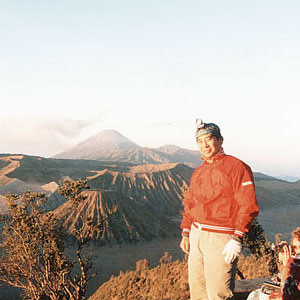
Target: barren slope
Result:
[149, 200]
[131, 222]
[8, 165]
[159, 187]
[42, 171]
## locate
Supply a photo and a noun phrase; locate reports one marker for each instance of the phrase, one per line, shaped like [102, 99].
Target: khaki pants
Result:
[210, 277]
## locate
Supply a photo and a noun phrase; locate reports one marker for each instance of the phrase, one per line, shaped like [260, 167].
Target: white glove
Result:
[232, 250]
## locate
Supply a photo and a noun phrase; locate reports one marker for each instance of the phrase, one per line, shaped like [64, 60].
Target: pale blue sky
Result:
[70, 69]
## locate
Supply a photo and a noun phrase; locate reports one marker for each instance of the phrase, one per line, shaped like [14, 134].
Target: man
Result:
[295, 242]
[291, 269]
[219, 207]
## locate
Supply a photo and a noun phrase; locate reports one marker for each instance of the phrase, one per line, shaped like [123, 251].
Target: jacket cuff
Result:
[238, 233]
[185, 232]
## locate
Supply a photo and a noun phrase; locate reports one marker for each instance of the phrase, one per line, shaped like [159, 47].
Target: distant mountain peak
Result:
[100, 144]
[112, 138]
[110, 145]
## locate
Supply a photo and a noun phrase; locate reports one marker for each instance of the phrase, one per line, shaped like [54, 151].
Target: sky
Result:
[148, 69]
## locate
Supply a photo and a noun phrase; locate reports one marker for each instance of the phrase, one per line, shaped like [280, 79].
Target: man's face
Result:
[296, 245]
[209, 145]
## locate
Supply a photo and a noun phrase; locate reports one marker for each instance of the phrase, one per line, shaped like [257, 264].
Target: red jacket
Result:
[221, 197]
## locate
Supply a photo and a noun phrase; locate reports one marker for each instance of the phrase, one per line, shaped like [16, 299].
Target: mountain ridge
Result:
[110, 145]
[154, 185]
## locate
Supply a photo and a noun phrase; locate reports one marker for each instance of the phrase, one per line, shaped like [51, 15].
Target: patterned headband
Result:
[207, 128]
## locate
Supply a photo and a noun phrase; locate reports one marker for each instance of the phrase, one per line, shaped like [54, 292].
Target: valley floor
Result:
[110, 261]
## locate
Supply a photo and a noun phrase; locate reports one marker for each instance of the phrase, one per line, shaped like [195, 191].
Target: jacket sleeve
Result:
[188, 203]
[246, 203]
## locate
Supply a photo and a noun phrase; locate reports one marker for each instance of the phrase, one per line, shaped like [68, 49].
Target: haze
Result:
[70, 69]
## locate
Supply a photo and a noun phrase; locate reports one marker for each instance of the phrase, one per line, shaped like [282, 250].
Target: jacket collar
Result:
[215, 158]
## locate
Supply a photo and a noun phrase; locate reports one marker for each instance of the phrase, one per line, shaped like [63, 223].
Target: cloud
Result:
[40, 136]
[63, 128]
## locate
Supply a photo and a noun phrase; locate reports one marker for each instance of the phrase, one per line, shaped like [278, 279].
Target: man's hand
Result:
[286, 255]
[185, 244]
[232, 250]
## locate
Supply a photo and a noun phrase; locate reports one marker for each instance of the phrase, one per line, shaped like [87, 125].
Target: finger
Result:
[286, 250]
[188, 247]
[227, 259]
[185, 249]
